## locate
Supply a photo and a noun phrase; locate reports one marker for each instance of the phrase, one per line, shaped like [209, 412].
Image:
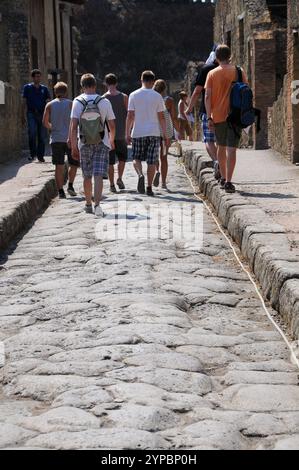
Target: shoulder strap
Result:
[82, 101]
[98, 99]
[240, 74]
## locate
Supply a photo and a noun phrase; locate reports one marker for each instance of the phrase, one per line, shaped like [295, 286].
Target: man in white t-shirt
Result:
[94, 158]
[145, 120]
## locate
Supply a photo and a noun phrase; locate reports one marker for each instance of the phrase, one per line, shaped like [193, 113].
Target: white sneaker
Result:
[98, 211]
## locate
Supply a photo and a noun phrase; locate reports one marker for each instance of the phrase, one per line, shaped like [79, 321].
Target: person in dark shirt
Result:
[209, 136]
[35, 96]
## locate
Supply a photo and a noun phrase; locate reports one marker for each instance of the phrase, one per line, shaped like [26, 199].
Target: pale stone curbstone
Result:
[263, 243]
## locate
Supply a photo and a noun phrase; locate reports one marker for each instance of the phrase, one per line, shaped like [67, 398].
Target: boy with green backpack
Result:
[94, 117]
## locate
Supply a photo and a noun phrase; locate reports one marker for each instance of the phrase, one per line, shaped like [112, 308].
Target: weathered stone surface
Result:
[168, 379]
[86, 397]
[61, 419]
[45, 388]
[169, 360]
[254, 377]
[261, 351]
[288, 443]
[117, 438]
[147, 418]
[262, 424]
[261, 398]
[207, 355]
[289, 304]
[210, 434]
[12, 435]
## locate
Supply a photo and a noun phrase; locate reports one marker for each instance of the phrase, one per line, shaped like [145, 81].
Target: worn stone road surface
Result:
[137, 344]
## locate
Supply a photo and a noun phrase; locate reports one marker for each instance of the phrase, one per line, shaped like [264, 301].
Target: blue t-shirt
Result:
[36, 97]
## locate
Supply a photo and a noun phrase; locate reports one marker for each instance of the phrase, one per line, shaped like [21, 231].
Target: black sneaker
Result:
[113, 188]
[71, 190]
[149, 191]
[88, 209]
[30, 159]
[156, 179]
[41, 159]
[120, 184]
[229, 188]
[61, 194]
[141, 185]
[222, 183]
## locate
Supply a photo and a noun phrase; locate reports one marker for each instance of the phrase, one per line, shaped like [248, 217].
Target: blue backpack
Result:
[242, 113]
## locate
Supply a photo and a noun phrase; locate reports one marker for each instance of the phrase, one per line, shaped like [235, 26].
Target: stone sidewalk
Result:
[262, 217]
[131, 344]
[25, 190]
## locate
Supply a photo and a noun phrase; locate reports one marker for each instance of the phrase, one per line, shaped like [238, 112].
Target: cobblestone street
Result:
[138, 344]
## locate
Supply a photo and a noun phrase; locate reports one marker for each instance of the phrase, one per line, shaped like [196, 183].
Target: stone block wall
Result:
[13, 72]
[49, 23]
[278, 122]
[11, 133]
[284, 116]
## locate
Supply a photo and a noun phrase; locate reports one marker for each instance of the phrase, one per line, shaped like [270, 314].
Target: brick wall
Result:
[284, 116]
[13, 71]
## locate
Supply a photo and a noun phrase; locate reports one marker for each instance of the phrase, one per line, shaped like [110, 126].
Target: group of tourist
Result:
[94, 131]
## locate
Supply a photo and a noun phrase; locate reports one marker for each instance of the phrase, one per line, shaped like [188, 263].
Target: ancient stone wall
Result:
[284, 116]
[33, 33]
[13, 72]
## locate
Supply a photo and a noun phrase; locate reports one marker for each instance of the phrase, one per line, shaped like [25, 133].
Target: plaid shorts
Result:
[209, 136]
[147, 149]
[94, 160]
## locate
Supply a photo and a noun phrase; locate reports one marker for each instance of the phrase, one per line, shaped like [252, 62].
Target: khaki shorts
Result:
[226, 136]
[185, 127]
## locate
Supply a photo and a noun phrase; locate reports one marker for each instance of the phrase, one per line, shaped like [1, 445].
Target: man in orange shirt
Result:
[218, 88]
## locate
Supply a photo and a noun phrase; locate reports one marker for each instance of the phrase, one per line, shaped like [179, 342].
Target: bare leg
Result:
[212, 150]
[164, 165]
[59, 176]
[138, 167]
[111, 175]
[121, 168]
[231, 162]
[221, 157]
[98, 189]
[151, 169]
[72, 173]
[88, 190]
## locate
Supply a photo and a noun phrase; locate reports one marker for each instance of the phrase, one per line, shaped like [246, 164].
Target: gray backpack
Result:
[92, 127]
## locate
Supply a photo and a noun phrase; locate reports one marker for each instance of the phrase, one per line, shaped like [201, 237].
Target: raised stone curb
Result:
[262, 242]
[23, 212]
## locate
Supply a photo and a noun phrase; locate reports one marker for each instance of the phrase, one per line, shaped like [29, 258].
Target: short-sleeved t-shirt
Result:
[105, 109]
[36, 97]
[201, 81]
[146, 103]
[220, 81]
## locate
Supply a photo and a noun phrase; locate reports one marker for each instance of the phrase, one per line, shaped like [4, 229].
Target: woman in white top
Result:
[171, 124]
[185, 127]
